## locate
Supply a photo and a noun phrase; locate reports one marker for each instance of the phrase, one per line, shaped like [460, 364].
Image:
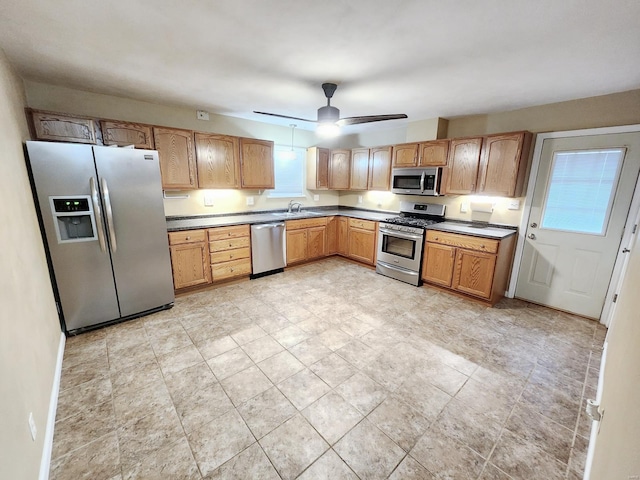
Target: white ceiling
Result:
[425, 58]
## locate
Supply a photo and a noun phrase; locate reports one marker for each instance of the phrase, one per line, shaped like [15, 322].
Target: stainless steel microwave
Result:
[416, 181]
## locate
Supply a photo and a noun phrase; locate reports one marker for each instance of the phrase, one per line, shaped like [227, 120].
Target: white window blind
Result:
[289, 173]
[581, 190]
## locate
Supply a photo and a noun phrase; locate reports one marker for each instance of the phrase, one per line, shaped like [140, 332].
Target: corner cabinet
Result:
[475, 266]
[503, 164]
[463, 162]
[256, 164]
[177, 160]
[189, 258]
[217, 157]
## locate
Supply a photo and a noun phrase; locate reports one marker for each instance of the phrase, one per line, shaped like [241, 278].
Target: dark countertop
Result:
[475, 229]
[208, 221]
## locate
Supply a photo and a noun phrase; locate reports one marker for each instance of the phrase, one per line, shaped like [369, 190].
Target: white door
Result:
[580, 203]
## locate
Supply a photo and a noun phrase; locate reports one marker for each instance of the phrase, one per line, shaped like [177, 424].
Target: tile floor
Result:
[329, 371]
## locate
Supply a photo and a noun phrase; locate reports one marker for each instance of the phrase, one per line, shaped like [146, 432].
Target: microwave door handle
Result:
[97, 210]
[422, 182]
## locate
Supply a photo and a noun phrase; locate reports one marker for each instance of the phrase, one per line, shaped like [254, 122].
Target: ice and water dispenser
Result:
[73, 218]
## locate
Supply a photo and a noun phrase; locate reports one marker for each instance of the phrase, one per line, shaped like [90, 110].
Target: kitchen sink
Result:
[303, 213]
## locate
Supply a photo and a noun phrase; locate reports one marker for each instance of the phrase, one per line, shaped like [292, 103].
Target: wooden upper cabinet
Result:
[256, 163]
[464, 158]
[318, 168]
[379, 168]
[405, 155]
[339, 169]
[434, 153]
[177, 162]
[63, 128]
[123, 134]
[503, 164]
[359, 178]
[217, 158]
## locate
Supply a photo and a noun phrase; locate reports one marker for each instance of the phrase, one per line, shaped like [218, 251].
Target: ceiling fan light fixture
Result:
[327, 129]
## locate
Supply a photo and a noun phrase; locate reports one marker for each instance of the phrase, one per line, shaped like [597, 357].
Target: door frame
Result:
[526, 211]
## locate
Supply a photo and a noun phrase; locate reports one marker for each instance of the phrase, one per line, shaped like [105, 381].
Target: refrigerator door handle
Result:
[98, 213]
[107, 208]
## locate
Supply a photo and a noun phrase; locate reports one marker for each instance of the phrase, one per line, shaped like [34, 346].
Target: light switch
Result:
[359, 198]
[514, 205]
[208, 199]
[464, 207]
[249, 201]
[316, 198]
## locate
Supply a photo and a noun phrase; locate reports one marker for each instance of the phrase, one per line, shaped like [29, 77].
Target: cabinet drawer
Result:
[306, 223]
[228, 232]
[230, 244]
[187, 236]
[230, 269]
[363, 224]
[464, 241]
[225, 256]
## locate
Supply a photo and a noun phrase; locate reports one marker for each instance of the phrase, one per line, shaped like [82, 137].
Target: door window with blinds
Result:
[581, 189]
[289, 171]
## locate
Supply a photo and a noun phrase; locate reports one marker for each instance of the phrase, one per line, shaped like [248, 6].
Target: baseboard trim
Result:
[51, 418]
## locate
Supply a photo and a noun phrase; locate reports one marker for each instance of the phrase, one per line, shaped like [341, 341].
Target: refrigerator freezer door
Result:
[83, 272]
[131, 190]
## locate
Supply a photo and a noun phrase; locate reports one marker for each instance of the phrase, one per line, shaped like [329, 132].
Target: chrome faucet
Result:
[292, 203]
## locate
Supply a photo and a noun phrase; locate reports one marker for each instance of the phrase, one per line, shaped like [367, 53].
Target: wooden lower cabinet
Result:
[332, 235]
[229, 252]
[362, 241]
[306, 239]
[189, 258]
[343, 236]
[473, 265]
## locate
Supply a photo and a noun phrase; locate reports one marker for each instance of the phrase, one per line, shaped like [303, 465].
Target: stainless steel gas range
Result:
[401, 240]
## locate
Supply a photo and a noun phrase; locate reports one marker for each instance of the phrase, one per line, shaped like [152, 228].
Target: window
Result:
[581, 190]
[289, 173]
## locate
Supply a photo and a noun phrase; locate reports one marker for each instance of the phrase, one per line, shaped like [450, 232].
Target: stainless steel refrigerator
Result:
[102, 213]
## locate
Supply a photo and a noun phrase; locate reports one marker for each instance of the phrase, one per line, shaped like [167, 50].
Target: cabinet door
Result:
[332, 235]
[256, 163]
[339, 168]
[437, 264]
[434, 154]
[405, 155]
[359, 169]
[316, 242]
[177, 162]
[296, 245]
[473, 272]
[343, 236]
[217, 160]
[362, 245]
[503, 164]
[121, 133]
[190, 264]
[318, 168]
[379, 168]
[464, 157]
[52, 126]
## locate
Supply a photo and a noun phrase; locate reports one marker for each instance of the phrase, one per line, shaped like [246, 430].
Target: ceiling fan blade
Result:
[369, 118]
[286, 116]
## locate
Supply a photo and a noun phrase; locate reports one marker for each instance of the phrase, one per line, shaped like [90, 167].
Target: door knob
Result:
[534, 225]
[532, 236]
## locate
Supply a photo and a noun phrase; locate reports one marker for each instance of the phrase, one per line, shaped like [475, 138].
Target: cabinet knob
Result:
[482, 246]
[231, 270]
[188, 238]
[230, 244]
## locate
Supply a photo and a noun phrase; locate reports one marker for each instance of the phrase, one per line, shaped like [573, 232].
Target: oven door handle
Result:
[424, 174]
[408, 236]
[398, 269]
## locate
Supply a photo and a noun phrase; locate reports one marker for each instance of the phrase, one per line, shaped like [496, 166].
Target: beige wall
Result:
[603, 111]
[616, 454]
[30, 331]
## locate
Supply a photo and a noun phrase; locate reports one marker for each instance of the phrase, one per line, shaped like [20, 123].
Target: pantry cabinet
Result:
[472, 265]
[177, 159]
[217, 158]
[125, 133]
[256, 164]
[339, 169]
[189, 258]
[229, 252]
[306, 239]
[463, 162]
[503, 164]
[318, 168]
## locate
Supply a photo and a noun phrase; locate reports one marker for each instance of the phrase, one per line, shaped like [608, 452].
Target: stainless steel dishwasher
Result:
[268, 248]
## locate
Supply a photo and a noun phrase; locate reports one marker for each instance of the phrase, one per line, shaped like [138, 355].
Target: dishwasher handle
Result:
[268, 225]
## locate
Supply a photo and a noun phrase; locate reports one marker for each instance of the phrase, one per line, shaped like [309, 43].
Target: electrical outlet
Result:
[316, 198]
[514, 205]
[249, 201]
[359, 198]
[202, 115]
[32, 426]
[208, 199]
[464, 207]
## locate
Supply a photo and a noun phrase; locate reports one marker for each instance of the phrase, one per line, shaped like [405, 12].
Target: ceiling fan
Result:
[329, 117]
